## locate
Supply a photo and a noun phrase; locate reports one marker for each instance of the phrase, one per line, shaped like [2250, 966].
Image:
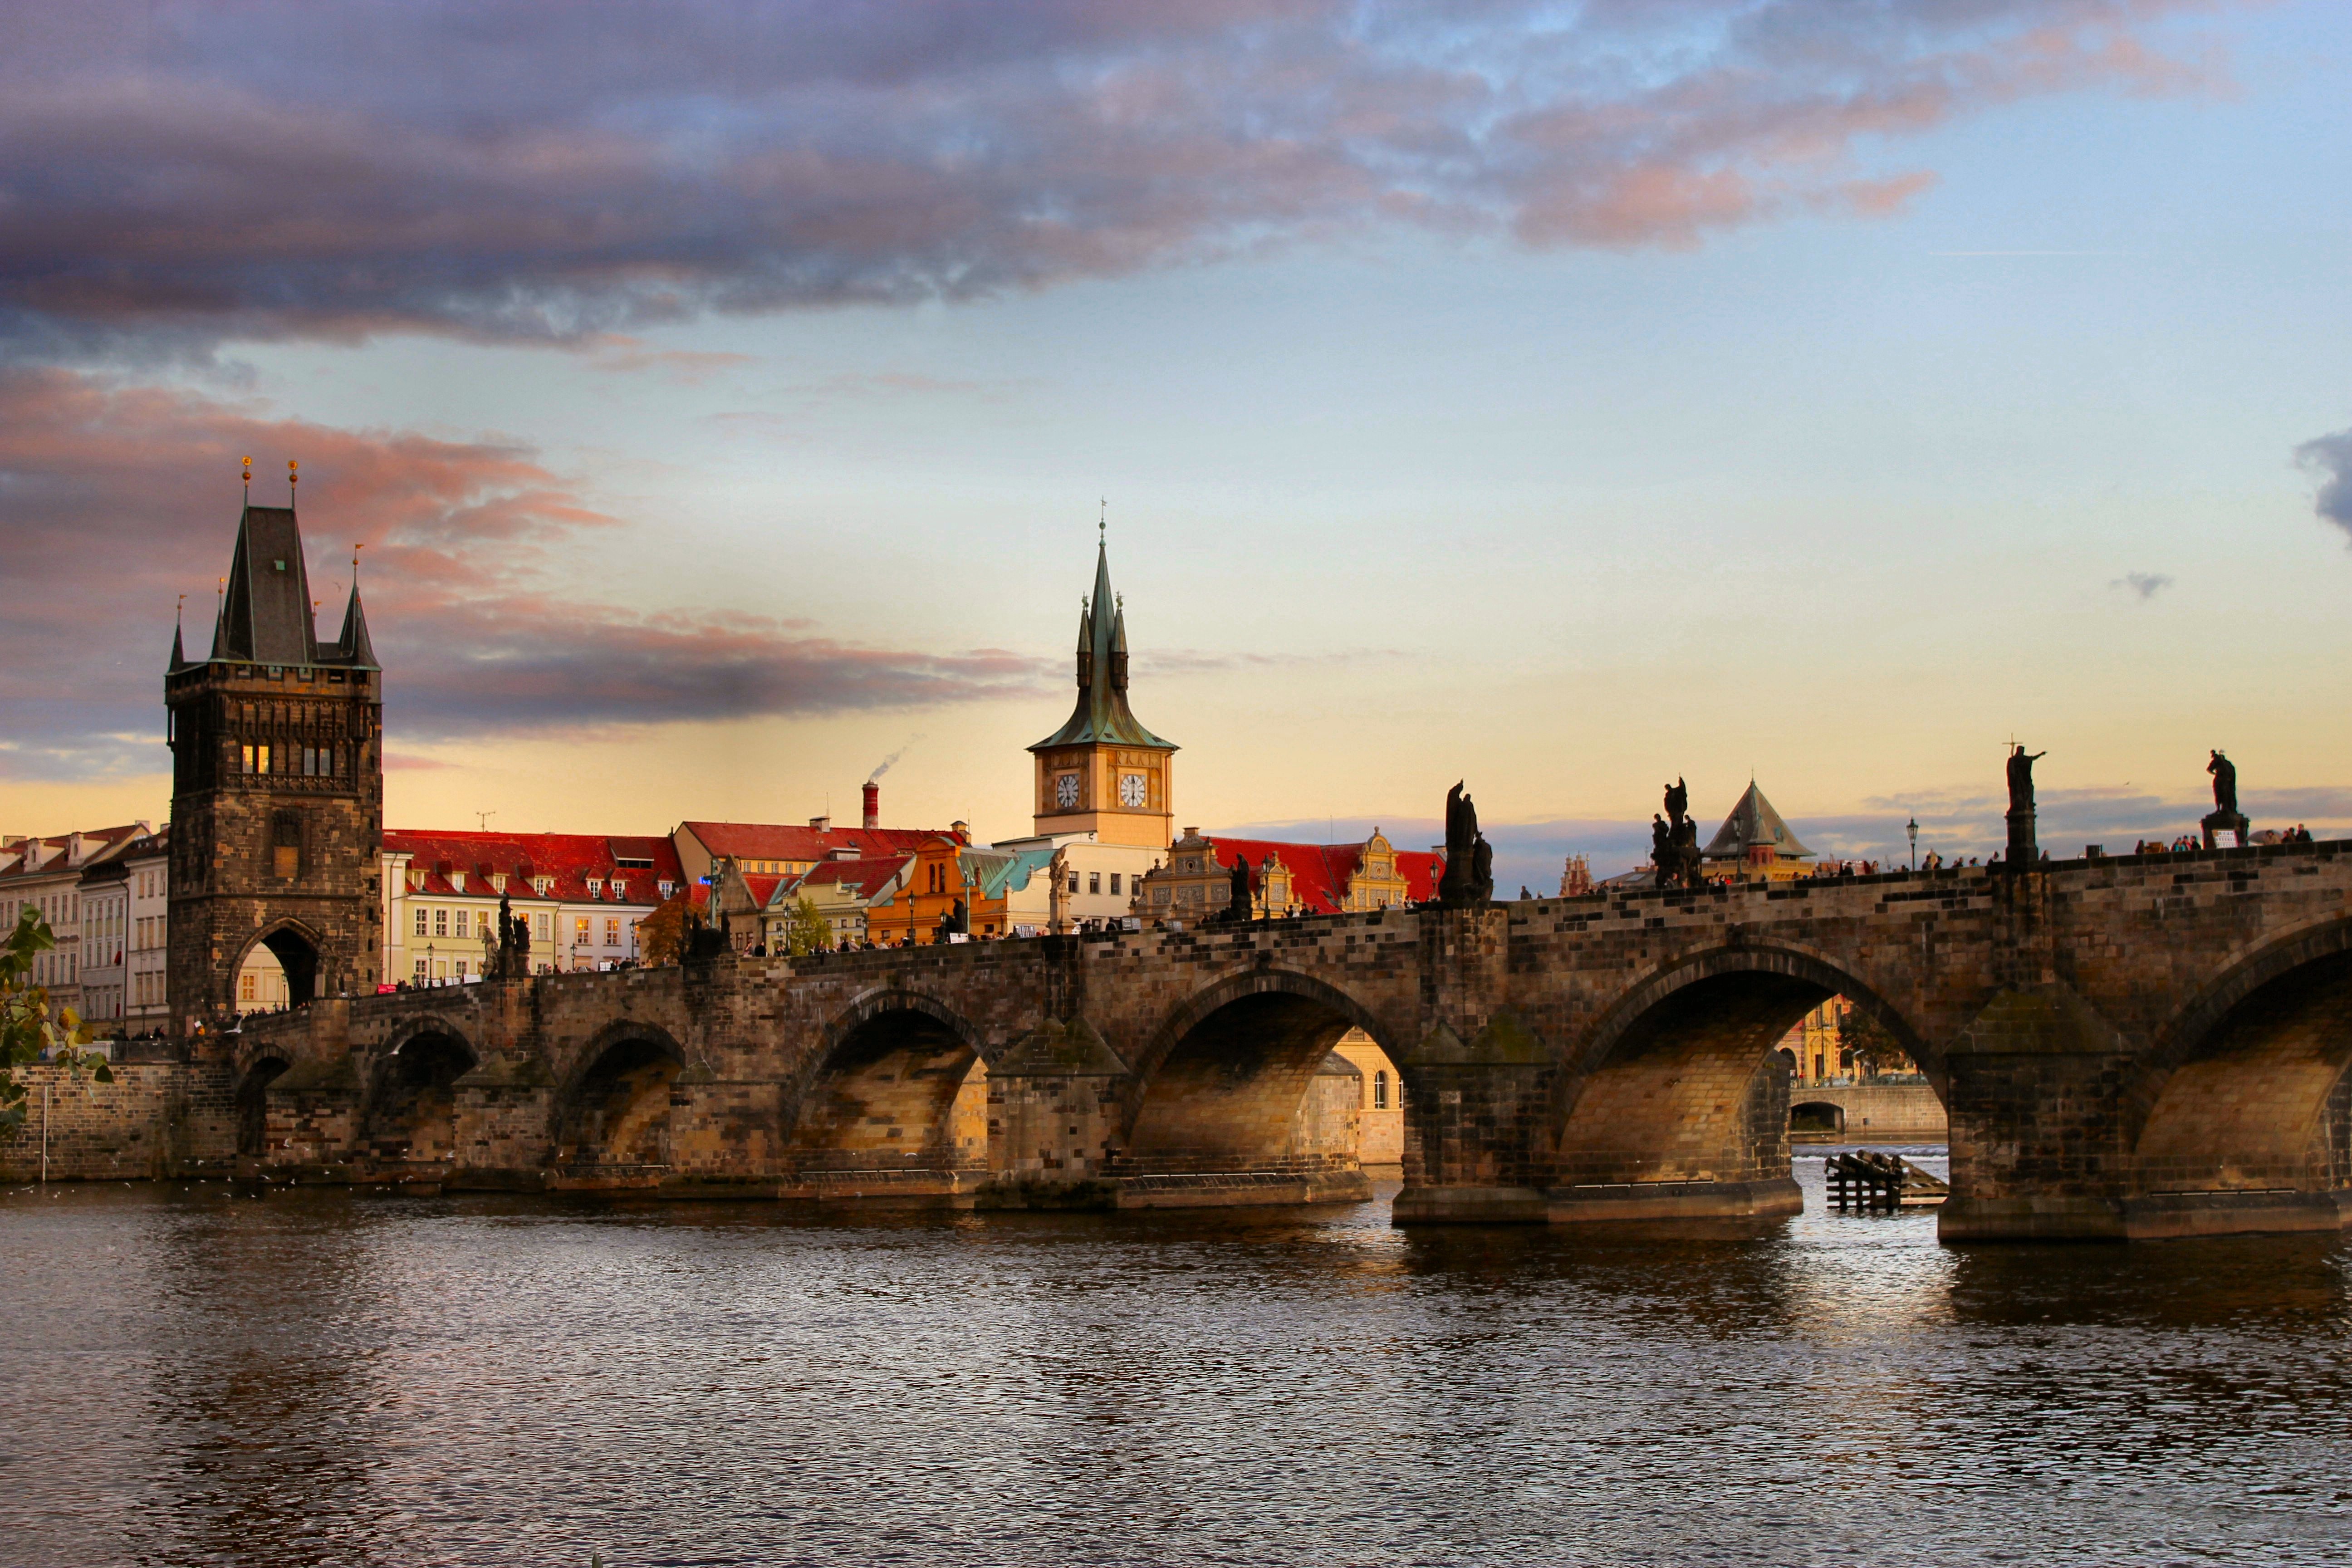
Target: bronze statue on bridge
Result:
[1469, 877]
[2225, 812]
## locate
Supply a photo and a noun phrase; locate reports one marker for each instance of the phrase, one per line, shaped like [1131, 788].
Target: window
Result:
[539, 927]
[1073, 882]
[667, 887]
[1114, 882]
[1379, 1091]
[420, 969]
[595, 886]
[420, 920]
[440, 922]
[461, 969]
[286, 843]
[611, 931]
[1094, 881]
[461, 922]
[579, 931]
[245, 984]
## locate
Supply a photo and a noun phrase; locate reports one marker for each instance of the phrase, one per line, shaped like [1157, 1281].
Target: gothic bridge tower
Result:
[277, 791]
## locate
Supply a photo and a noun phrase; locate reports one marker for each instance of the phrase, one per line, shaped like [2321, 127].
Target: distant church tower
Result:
[1103, 772]
[276, 790]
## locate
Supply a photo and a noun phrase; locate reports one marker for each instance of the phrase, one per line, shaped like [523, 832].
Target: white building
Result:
[47, 873]
[147, 867]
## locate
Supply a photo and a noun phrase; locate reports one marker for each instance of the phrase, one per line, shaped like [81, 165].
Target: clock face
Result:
[1065, 791]
[1133, 789]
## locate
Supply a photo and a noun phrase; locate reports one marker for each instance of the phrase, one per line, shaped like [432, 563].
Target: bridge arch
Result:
[412, 1104]
[1230, 1079]
[1682, 1079]
[251, 1098]
[2247, 1088]
[899, 1084]
[613, 1108]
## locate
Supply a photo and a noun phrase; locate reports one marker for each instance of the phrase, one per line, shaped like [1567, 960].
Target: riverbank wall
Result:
[155, 1119]
[1873, 1113]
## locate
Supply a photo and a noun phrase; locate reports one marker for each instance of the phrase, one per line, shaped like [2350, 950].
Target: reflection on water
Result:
[319, 1378]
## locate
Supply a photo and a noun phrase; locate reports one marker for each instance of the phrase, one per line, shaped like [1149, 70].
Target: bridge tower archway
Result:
[412, 1112]
[1243, 1078]
[293, 950]
[1686, 1080]
[614, 1110]
[900, 1087]
[2249, 1099]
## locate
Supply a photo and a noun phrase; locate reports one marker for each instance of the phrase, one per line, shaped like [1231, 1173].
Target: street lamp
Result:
[1912, 827]
[428, 964]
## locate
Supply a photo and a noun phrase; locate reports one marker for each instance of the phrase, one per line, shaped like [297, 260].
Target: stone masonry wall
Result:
[154, 1119]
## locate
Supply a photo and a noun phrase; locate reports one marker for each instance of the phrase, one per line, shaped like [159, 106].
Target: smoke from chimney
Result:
[884, 766]
[873, 804]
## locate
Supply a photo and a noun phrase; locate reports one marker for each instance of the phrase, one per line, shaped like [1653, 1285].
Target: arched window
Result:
[1379, 1091]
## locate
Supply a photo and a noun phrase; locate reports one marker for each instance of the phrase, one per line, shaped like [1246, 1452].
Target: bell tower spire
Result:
[1102, 772]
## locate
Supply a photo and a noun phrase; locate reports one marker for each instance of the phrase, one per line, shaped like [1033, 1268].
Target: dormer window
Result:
[595, 886]
[456, 882]
[668, 888]
[620, 890]
[497, 882]
[541, 884]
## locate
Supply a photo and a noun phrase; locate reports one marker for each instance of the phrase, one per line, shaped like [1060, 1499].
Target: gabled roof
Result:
[861, 878]
[1319, 872]
[265, 615]
[1102, 714]
[997, 873]
[775, 841]
[55, 855]
[570, 861]
[1752, 822]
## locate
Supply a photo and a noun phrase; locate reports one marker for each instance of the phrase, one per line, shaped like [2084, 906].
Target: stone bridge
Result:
[2131, 1046]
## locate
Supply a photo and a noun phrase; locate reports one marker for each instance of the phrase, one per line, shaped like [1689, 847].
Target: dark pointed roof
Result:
[265, 614]
[354, 645]
[178, 653]
[1102, 714]
[1753, 821]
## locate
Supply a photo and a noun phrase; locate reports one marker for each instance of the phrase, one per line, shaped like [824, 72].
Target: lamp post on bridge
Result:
[1912, 827]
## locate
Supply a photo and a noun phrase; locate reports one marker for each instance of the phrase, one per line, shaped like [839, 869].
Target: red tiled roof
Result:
[1319, 872]
[862, 877]
[773, 841]
[109, 839]
[571, 859]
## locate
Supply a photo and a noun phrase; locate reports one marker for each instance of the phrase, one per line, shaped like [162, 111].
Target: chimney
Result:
[873, 804]
[821, 823]
[963, 831]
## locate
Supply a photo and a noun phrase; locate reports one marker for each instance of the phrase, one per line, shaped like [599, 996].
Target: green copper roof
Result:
[1102, 714]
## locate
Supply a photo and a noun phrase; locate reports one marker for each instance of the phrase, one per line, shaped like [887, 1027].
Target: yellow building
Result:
[1381, 1142]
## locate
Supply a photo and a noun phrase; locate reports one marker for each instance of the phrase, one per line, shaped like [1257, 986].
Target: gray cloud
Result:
[2330, 457]
[2144, 584]
[175, 173]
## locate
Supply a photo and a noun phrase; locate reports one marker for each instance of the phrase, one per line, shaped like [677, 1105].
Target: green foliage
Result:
[1874, 1048]
[809, 931]
[26, 1030]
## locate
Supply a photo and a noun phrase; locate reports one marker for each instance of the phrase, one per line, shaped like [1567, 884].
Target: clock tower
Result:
[1103, 772]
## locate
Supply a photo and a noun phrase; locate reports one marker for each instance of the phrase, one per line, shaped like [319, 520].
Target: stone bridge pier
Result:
[2136, 1047]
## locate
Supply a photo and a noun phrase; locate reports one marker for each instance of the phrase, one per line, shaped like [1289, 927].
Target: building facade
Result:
[582, 898]
[146, 864]
[1285, 880]
[277, 791]
[48, 875]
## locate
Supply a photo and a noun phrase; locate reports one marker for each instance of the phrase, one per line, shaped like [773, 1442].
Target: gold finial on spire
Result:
[291, 479]
[1102, 523]
[248, 462]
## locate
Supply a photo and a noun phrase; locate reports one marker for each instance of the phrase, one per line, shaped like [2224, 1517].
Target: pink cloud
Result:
[123, 498]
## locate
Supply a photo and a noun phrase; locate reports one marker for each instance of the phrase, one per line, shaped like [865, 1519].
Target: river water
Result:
[194, 1376]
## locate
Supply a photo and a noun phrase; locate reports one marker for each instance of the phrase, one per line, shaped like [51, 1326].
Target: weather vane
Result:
[1102, 523]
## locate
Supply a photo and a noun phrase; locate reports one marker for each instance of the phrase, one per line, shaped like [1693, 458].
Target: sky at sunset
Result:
[1562, 397]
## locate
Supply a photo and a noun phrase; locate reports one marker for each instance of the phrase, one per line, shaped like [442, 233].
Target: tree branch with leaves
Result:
[28, 1033]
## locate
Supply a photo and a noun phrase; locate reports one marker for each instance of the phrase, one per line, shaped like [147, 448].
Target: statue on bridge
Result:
[1469, 875]
[957, 922]
[2021, 856]
[2225, 813]
[1674, 841]
[1241, 905]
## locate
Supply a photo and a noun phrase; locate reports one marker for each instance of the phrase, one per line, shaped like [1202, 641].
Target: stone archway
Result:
[612, 1122]
[1243, 1081]
[1679, 1099]
[896, 1104]
[293, 951]
[412, 1110]
[2248, 1118]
